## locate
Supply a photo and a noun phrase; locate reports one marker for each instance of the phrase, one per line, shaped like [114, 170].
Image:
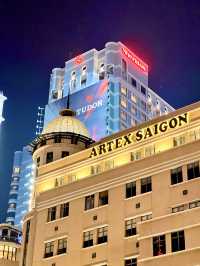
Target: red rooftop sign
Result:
[135, 60]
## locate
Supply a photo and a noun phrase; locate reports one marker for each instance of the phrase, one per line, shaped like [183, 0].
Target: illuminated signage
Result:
[78, 60]
[135, 60]
[139, 135]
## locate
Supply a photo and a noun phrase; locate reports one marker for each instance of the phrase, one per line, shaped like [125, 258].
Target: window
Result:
[102, 235]
[95, 169]
[178, 241]
[176, 175]
[49, 157]
[84, 75]
[133, 98]
[57, 139]
[88, 239]
[109, 164]
[89, 202]
[137, 155]
[38, 161]
[103, 198]
[65, 154]
[64, 210]
[194, 204]
[143, 90]
[146, 185]
[131, 189]
[123, 102]
[49, 249]
[62, 246]
[143, 105]
[51, 214]
[16, 170]
[146, 217]
[159, 245]
[102, 72]
[130, 227]
[179, 208]
[130, 262]
[124, 69]
[73, 80]
[124, 90]
[180, 140]
[193, 170]
[133, 82]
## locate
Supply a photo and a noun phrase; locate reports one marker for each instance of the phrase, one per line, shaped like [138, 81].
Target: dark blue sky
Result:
[36, 36]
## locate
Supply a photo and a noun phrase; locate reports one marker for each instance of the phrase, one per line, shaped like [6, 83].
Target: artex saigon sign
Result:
[140, 135]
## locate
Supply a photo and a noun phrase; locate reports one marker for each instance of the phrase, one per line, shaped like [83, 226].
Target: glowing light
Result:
[2, 99]
[78, 60]
[134, 59]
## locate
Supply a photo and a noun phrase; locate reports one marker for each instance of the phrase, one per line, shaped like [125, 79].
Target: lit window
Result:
[131, 189]
[88, 239]
[51, 214]
[130, 227]
[133, 98]
[103, 198]
[64, 210]
[124, 90]
[146, 185]
[177, 241]
[16, 170]
[193, 170]
[123, 102]
[89, 202]
[49, 249]
[159, 245]
[62, 246]
[123, 115]
[176, 175]
[102, 235]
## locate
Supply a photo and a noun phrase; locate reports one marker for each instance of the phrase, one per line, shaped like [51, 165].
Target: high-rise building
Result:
[21, 187]
[10, 244]
[2, 99]
[109, 90]
[131, 199]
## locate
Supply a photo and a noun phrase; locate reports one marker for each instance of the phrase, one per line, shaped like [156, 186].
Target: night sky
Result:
[38, 36]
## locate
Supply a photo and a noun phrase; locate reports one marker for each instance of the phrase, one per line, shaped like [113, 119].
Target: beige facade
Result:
[131, 199]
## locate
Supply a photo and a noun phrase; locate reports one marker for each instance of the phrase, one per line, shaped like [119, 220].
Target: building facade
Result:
[109, 91]
[21, 187]
[131, 199]
[2, 99]
[107, 87]
[10, 243]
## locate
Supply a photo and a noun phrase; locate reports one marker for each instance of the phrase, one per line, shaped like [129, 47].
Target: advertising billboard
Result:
[90, 105]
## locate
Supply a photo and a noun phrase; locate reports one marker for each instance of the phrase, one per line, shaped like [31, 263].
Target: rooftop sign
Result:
[134, 59]
[140, 135]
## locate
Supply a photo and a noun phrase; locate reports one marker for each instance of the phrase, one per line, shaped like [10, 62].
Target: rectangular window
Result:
[179, 208]
[49, 249]
[130, 262]
[178, 241]
[124, 90]
[64, 210]
[131, 189]
[124, 69]
[123, 102]
[109, 164]
[65, 154]
[49, 157]
[103, 198]
[194, 204]
[95, 169]
[89, 202]
[57, 139]
[62, 246]
[133, 82]
[38, 161]
[130, 227]
[193, 170]
[137, 155]
[146, 185]
[102, 235]
[51, 214]
[88, 239]
[143, 90]
[159, 245]
[176, 175]
[146, 217]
